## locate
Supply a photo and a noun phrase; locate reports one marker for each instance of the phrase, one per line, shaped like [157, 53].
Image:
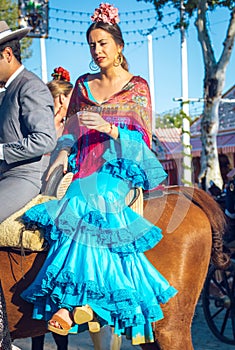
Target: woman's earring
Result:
[93, 66]
[118, 59]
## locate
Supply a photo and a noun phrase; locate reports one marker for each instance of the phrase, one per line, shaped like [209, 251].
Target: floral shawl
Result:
[130, 107]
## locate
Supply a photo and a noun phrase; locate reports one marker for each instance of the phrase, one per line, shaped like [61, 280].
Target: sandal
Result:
[93, 327]
[64, 326]
[82, 314]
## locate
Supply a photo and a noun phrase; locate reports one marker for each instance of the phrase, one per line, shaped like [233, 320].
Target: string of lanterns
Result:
[88, 14]
[88, 21]
[81, 43]
[149, 25]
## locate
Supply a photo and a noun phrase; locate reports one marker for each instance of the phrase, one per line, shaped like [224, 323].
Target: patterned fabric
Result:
[97, 241]
[130, 107]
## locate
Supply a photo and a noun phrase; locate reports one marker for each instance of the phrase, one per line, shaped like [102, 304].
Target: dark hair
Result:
[116, 33]
[15, 46]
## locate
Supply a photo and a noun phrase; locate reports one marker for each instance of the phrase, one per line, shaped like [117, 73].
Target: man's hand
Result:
[62, 159]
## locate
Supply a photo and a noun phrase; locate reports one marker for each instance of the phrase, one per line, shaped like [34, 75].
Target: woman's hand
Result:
[93, 120]
[62, 159]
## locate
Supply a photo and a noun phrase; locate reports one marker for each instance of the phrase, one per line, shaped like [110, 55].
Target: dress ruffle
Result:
[97, 244]
[129, 158]
[119, 302]
[93, 229]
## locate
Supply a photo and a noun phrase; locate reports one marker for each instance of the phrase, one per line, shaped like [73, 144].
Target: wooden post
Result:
[187, 158]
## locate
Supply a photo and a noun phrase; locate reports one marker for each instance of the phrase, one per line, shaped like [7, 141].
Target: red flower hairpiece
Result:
[106, 13]
[61, 74]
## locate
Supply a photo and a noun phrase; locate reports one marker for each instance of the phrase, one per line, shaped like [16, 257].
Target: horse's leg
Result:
[61, 341]
[37, 342]
[116, 341]
[97, 339]
[106, 340]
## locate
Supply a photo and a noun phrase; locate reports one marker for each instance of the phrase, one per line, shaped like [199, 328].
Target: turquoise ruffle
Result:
[97, 244]
[128, 157]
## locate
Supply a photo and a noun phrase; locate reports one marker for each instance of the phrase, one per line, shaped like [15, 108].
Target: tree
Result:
[171, 120]
[10, 10]
[214, 75]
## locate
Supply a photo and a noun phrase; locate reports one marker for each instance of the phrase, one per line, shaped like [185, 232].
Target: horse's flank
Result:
[191, 234]
[183, 257]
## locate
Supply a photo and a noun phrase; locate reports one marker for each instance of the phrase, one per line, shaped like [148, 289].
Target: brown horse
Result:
[192, 225]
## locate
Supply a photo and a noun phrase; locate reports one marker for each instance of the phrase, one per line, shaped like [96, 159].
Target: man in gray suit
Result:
[27, 129]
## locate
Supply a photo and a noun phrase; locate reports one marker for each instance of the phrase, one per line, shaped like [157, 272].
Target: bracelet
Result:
[67, 149]
[111, 129]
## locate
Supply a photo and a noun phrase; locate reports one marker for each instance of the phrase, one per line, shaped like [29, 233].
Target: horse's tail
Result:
[217, 220]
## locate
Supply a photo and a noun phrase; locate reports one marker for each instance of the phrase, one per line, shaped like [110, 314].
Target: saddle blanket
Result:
[13, 233]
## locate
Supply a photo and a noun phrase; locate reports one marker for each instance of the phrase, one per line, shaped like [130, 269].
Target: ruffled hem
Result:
[93, 231]
[126, 307]
[38, 216]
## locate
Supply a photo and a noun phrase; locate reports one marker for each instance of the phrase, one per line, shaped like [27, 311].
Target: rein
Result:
[159, 193]
[135, 196]
[23, 252]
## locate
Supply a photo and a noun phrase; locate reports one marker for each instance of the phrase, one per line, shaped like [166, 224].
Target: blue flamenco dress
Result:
[97, 244]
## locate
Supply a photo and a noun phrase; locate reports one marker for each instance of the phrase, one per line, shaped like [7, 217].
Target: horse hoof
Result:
[82, 314]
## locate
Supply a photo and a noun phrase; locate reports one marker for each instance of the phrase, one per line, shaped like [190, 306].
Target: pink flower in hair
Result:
[106, 13]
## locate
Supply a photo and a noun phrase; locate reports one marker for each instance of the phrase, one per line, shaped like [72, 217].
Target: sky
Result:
[66, 46]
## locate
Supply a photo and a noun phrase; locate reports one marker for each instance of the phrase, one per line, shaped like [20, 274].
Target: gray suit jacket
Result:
[27, 128]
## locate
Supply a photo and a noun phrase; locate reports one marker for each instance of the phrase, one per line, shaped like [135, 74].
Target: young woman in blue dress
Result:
[96, 268]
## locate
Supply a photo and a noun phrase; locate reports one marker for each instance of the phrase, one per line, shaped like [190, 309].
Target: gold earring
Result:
[118, 59]
[93, 66]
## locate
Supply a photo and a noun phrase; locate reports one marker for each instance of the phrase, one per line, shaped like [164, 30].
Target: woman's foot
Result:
[60, 322]
[82, 314]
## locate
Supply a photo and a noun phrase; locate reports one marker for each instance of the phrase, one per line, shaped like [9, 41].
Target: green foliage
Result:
[189, 7]
[171, 120]
[9, 13]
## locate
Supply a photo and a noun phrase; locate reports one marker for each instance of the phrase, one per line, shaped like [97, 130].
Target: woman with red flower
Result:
[61, 90]
[61, 74]
[95, 271]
